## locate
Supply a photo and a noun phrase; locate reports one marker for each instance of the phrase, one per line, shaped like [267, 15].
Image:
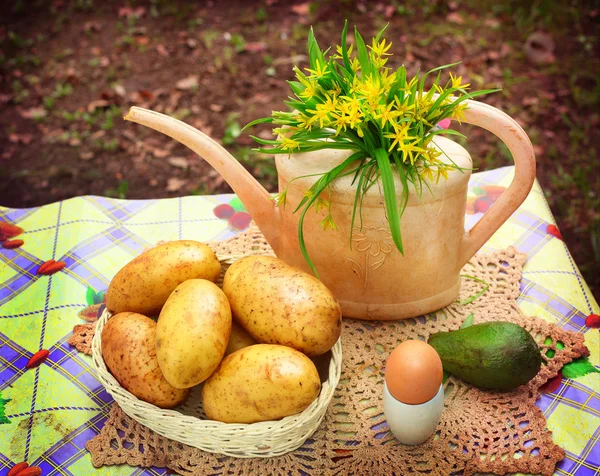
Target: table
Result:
[56, 407]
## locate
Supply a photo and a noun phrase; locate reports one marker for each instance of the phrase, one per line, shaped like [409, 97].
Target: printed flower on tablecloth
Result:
[554, 231]
[552, 385]
[235, 213]
[96, 302]
[484, 198]
[592, 321]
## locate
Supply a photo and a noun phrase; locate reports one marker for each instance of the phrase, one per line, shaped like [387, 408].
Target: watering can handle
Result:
[517, 141]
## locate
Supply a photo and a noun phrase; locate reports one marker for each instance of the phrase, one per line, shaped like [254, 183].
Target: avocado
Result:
[493, 355]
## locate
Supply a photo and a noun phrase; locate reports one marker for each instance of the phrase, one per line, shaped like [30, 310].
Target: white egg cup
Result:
[412, 424]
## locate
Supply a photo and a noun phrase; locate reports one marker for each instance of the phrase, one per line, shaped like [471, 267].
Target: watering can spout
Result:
[253, 195]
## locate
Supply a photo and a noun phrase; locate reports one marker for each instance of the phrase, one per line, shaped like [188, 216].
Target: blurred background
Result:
[69, 69]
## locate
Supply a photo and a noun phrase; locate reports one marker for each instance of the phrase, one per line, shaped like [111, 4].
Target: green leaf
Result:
[579, 368]
[360, 173]
[477, 295]
[266, 141]
[403, 178]
[3, 418]
[362, 54]
[468, 321]
[444, 66]
[317, 188]
[89, 296]
[445, 377]
[99, 297]
[315, 55]
[344, 45]
[297, 87]
[439, 101]
[389, 194]
[398, 84]
[258, 121]
[381, 32]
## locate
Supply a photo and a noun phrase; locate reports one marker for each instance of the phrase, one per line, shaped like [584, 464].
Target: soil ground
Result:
[70, 69]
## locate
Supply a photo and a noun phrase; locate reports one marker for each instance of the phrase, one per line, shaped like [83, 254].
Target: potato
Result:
[144, 284]
[259, 383]
[193, 330]
[279, 304]
[128, 348]
[239, 339]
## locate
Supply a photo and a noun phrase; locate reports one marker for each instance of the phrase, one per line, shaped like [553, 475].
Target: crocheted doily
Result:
[480, 431]
[82, 337]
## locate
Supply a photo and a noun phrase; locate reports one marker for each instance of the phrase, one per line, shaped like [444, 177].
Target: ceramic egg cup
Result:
[412, 424]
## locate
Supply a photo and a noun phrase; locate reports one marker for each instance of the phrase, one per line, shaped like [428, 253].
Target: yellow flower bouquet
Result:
[351, 100]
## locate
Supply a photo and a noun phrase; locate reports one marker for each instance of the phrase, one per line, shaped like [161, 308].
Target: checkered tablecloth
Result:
[55, 408]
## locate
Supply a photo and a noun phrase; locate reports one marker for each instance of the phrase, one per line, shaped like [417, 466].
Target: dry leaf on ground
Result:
[180, 162]
[34, 113]
[174, 184]
[187, 83]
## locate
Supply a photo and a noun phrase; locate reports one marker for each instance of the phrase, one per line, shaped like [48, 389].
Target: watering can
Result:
[368, 275]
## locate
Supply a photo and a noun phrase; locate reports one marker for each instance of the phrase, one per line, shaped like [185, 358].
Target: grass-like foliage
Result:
[350, 100]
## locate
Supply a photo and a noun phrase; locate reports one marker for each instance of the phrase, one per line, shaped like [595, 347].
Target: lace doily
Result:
[82, 337]
[480, 431]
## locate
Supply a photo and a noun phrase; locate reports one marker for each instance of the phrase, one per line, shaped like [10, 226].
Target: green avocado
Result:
[493, 355]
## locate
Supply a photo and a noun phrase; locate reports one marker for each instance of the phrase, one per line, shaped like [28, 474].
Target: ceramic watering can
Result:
[370, 277]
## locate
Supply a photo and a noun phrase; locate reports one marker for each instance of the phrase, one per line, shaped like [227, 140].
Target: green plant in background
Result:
[120, 191]
[232, 129]
[351, 100]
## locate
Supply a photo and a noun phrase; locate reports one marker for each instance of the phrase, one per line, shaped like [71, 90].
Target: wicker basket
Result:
[188, 424]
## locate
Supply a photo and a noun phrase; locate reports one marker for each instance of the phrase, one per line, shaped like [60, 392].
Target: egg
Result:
[413, 372]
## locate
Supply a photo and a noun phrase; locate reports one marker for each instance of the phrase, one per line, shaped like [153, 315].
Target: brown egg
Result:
[413, 372]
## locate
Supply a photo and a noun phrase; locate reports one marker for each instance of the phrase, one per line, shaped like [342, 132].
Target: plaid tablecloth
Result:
[56, 407]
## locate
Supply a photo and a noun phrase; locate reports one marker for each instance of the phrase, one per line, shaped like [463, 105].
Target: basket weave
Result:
[188, 424]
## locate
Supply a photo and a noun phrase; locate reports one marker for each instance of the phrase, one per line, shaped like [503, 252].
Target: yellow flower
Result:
[304, 122]
[426, 173]
[379, 49]
[282, 130]
[432, 155]
[387, 79]
[408, 86]
[289, 144]
[328, 223]
[410, 150]
[399, 135]
[379, 62]
[320, 204]
[310, 91]
[337, 89]
[341, 121]
[280, 199]
[386, 114]
[403, 108]
[371, 90]
[355, 65]
[320, 71]
[458, 112]
[338, 49]
[456, 82]
[330, 104]
[320, 115]
[356, 86]
[354, 114]
[425, 103]
[301, 76]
